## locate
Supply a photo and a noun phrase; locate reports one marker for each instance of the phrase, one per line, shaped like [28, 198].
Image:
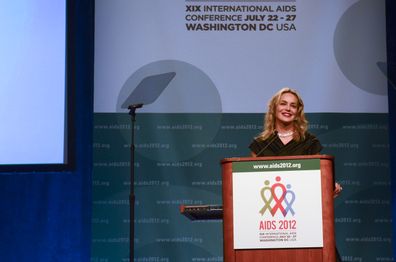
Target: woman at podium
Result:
[286, 130]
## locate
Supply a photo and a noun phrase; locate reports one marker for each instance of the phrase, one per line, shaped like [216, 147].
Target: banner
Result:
[228, 66]
[204, 71]
[277, 204]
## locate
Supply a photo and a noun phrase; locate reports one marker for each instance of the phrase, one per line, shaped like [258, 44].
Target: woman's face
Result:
[286, 109]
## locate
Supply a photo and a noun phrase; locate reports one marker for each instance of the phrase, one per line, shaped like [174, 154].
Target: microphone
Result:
[274, 136]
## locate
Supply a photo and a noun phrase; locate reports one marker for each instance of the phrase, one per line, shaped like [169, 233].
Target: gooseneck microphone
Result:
[272, 139]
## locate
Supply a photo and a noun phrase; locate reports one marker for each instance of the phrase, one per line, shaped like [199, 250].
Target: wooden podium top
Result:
[250, 158]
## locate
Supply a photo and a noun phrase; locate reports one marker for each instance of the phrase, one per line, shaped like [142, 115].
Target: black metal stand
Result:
[132, 112]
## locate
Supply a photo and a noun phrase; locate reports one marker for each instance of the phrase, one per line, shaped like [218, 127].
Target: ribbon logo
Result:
[277, 198]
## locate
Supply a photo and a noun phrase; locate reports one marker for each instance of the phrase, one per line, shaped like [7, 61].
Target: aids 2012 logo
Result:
[277, 197]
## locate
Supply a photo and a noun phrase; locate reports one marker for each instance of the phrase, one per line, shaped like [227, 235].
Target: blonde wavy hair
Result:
[300, 122]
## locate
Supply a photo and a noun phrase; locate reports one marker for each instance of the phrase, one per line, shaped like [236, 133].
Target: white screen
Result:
[32, 82]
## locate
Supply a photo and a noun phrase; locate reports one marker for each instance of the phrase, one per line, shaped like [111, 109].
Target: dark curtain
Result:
[391, 51]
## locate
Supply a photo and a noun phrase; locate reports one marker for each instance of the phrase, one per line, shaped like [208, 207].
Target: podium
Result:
[269, 222]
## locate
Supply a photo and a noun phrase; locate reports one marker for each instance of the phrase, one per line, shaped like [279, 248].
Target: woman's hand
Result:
[337, 190]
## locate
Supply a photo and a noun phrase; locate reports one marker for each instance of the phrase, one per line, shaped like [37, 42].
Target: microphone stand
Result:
[274, 136]
[132, 112]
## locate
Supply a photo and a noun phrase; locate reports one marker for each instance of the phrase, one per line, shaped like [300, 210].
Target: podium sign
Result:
[277, 204]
